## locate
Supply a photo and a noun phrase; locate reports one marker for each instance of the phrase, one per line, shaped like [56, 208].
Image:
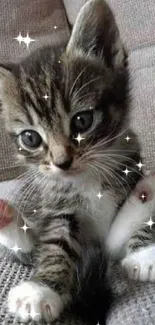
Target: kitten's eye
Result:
[31, 139]
[81, 122]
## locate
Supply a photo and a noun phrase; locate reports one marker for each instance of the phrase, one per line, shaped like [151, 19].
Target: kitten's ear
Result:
[95, 34]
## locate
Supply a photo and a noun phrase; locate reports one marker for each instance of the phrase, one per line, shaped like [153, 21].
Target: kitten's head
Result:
[65, 105]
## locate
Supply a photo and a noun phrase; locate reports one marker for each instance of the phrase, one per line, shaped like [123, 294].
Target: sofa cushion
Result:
[133, 304]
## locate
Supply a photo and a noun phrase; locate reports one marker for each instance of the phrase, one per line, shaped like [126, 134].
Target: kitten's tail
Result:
[92, 296]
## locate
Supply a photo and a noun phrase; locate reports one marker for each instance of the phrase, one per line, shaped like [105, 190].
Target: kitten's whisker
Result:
[28, 193]
[24, 197]
[11, 198]
[85, 85]
[24, 183]
[128, 159]
[67, 79]
[107, 180]
[77, 78]
[112, 161]
[112, 174]
[7, 195]
[103, 142]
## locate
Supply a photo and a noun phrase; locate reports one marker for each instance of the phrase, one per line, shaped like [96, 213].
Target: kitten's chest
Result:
[97, 212]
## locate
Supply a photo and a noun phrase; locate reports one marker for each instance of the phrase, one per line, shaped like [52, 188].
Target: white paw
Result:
[33, 301]
[141, 264]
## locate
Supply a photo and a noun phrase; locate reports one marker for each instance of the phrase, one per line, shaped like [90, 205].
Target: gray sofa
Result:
[133, 303]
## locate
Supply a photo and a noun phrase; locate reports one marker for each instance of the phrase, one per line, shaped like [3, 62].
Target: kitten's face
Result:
[63, 105]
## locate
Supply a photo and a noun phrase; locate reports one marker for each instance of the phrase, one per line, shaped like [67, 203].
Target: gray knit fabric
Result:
[11, 274]
[134, 304]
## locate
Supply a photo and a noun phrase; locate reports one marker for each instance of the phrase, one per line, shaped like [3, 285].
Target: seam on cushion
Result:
[146, 56]
[141, 47]
[64, 14]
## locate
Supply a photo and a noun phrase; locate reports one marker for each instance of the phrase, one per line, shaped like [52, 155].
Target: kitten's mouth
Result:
[55, 171]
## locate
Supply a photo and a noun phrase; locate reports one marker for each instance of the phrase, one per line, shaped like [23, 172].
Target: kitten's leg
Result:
[45, 296]
[131, 237]
[139, 262]
[132, 216]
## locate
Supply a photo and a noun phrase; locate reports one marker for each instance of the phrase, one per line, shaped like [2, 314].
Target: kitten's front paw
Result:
[33, 301]
[140, 265]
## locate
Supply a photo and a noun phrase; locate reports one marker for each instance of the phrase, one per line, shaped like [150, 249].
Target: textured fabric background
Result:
[37, 17]
[134, 304]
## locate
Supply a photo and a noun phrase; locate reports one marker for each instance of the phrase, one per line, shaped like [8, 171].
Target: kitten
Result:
[73, 142]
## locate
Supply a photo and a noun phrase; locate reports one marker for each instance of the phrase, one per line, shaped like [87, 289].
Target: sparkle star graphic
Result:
[55, 27]
[150, 223]
[19, 38]
[126, 171]
[33, 314]
[127, 138]
[34, 211]
[140, 165]
[99, 195]
[46, 97]
[143, 196]
[24, 228]
[27, 40]
[16, 248]
[79, 138]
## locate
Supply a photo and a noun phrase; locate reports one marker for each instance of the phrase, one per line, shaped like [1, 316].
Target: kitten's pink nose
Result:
[62, 156]
[65, 165]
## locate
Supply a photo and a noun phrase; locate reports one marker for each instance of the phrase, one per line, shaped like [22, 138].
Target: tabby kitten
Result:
[73, 143]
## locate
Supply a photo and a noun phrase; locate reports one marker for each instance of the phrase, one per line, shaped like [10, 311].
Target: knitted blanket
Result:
[133, 303]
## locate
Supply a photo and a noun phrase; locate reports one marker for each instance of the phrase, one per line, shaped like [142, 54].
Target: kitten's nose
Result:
[65, 165]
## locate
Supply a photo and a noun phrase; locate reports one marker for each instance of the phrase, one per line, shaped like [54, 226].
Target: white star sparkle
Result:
[33, 314]
[24, 228]
[79, 138]
[127, 138]
[59, 61]
[126, 171]
[55, 27]
[34, 211]
[150, 223]
[140, 165]
[19, 38]
[16, 248]
[99, 195]
[143, 196]
[46, 97]
[27, 40]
